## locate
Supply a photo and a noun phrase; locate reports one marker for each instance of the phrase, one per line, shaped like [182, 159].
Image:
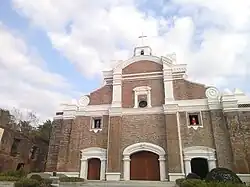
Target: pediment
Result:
[134, 59]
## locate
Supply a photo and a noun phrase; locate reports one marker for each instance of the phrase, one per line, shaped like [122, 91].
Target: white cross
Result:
[142, 36]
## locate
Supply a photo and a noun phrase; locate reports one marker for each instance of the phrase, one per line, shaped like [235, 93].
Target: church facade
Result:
[148, 122]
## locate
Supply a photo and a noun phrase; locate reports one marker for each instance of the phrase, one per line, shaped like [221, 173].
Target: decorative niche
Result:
[194, 120]
[142, 97]
[96, 124]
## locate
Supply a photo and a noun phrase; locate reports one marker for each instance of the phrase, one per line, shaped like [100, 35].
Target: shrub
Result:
[193, 183]
[46, 183]
[43, 182]
[36, 177]
[223, 175]
[202, 183]
[193, 176]
[25, 182]
[179, 181]
[8, 178]
[71, 179]
[19, 174]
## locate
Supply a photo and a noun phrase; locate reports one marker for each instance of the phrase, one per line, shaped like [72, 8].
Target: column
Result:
[211, 164]
[162, 168]
[149, 98]
[84, 168]
[136, 100]
[126, 168]
[103, 169]
[187, 167]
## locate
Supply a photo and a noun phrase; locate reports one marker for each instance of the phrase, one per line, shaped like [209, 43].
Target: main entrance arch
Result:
[144, 161]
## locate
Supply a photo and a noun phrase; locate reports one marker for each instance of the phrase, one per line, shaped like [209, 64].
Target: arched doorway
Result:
[86, 158]
[144, 166]
[199, 166]
[94, 167]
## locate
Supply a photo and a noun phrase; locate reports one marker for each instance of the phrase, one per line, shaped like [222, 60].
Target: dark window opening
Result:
[59, 113]
[20, 166]
[199, 166]
[97, 123]
[14, 147]
[194, 119]
[143, 104]
[33, 152]
[142, 52]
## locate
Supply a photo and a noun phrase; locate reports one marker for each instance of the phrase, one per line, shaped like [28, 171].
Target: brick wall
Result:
[221, 139]
[201, 136]
[185, 90]
[157, 91]
[142, 67]
[143, 128]
[9, 162]
[101, 96]
[81, 137]
[238, 125]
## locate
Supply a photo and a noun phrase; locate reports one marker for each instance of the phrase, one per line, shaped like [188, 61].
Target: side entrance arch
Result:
[199, 166]
[144, 161]
[199, 160]
[93, 163]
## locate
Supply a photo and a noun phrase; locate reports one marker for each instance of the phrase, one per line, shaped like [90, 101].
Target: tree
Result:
[44, 130]
[25, 123]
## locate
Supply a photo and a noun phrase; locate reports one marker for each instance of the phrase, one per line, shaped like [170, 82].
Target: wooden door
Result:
[144, 166]
[94, 167]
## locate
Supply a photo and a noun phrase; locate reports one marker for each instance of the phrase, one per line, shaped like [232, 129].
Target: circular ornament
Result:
[212, 93]
[143, 104]
[84, 101]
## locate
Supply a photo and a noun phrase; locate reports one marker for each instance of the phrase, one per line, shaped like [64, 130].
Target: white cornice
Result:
[142, 74]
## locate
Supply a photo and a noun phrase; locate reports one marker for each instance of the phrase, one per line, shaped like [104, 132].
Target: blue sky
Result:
[54, 51]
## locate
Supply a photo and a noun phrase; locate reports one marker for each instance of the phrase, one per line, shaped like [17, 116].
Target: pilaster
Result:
[114, 156]
[168, 83]
[64, 145]
[220, 131]
[54, 144]
[173, 140]
[117, 89]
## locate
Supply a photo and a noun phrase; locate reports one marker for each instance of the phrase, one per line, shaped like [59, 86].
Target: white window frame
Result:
[199, 118]
[142, 90]
[92, 124]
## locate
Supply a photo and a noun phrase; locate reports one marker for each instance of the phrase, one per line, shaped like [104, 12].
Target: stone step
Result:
[129, 183]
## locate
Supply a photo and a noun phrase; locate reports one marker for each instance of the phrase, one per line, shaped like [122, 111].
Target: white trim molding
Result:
[199, 152]
[244, 177]
[174, 176]
[93, 152]
[67, 173]
[143, 146]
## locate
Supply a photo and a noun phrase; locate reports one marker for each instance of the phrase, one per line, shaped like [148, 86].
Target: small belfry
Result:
[142, 49]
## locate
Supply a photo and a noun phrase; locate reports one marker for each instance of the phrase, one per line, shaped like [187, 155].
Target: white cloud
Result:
[92, 33]
[25, 82]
